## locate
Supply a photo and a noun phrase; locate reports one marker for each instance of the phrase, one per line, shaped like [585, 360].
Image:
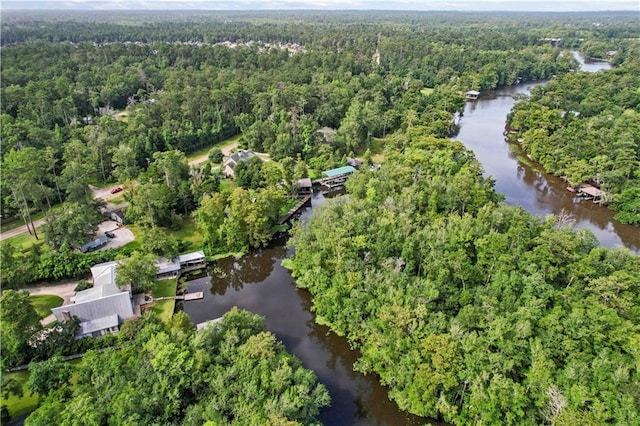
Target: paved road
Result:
[20, 230]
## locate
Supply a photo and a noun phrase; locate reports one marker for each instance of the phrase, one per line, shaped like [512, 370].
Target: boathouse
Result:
[304, 187]
[591, 193]
[335, 178]
[170, 268]
[339, 172]
[472, 95]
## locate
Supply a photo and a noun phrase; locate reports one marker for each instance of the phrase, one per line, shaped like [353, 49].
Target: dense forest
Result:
[586, 127]
[231, 373]
[468, 309]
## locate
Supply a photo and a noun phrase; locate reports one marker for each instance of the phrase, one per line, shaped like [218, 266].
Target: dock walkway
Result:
[284, 219]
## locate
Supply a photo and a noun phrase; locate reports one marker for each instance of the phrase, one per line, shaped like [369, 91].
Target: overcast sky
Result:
[464, 5]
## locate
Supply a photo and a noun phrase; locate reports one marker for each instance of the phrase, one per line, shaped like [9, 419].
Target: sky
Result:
[464, 5]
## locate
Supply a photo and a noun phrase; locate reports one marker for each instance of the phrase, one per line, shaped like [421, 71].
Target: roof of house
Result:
[115, 304]
[592, 191]
[104, 283]
[166, 266]
[104, 273]
[473, 93]
[189, 257]
[339, 171]
[88, 327]
[236, 157]
[305, 183]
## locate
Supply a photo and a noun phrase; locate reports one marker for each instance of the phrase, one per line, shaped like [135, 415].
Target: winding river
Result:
[258, 282]
[524, 184]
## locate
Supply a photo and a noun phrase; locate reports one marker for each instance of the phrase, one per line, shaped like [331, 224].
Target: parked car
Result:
[110, 234]
[116, 189]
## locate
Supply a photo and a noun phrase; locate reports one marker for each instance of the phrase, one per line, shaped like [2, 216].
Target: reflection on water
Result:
[258, 282]
[482, 130]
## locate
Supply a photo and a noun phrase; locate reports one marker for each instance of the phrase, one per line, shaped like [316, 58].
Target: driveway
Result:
[62, 289]
[122, 233]
[104, 193]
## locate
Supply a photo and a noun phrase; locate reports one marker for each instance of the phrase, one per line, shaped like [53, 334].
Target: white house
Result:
[100, 309]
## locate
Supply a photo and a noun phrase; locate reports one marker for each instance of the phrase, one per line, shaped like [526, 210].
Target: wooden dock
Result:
[191, 296]
[284, 219]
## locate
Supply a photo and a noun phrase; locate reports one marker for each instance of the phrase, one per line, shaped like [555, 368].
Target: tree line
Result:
[586, 128]
[468, 309]
[232, 373]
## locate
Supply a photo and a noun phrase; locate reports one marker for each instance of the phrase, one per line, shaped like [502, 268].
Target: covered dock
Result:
[472, 95]
[591, 193]
[335, 178]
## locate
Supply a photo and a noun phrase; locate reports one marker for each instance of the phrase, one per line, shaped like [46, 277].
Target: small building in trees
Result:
[117, 216]
[354, 162]
[234, 159]
[304, 187]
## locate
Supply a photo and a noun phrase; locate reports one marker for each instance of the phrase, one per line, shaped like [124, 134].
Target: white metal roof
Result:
[189, 257]
[88, 327]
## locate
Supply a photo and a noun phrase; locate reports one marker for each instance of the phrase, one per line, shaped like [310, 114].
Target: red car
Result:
[116, 189]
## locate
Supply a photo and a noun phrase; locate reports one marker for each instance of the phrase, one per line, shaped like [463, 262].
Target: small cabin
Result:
[304, 187]
[472, 95]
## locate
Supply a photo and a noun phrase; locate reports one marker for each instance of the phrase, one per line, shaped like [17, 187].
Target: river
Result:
[482, 129]
[258, 282]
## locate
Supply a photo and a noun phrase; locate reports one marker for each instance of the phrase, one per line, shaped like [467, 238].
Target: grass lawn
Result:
[20, 405]
[204, 151]
[188, 233]
[164, 308]
[24, 241]
[28, 402]
[43, 303]
[227, 185]
[377, 150]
